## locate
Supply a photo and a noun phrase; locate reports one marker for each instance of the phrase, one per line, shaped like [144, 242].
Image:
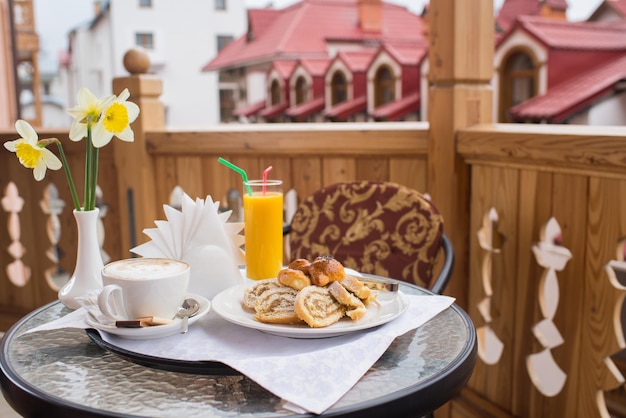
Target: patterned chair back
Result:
[379, 228]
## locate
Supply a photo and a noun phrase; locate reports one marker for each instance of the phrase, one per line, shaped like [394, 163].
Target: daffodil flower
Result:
[31, 152]
[87, 112]
[115, 121]
[96, 119]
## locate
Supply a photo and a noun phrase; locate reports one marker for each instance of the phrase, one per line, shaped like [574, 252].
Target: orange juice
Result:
[263, 231]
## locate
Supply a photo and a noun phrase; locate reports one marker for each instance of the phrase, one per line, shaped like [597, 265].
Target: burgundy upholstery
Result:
[379, 228]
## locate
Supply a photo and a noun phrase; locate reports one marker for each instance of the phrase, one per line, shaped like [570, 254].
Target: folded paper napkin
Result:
[201, 236]
[284, 366]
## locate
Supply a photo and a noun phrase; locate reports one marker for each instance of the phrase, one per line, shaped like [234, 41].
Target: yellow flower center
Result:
[28, 155]
[116, 118]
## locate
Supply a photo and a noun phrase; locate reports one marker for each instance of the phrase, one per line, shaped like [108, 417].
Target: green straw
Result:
[244, 176]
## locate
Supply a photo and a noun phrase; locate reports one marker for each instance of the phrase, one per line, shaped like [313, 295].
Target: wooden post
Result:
[461, 48]
[134, 166]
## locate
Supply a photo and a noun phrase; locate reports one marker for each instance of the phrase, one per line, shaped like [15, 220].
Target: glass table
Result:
[71, 373]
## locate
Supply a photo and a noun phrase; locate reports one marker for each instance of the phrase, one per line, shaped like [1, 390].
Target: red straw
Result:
[267, 170]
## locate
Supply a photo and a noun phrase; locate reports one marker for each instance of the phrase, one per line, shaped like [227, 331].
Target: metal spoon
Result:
[189, 308]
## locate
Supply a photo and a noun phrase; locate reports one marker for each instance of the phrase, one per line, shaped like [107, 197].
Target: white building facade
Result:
[178, 36]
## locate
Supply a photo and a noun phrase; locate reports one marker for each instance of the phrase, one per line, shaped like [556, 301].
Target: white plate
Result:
[390, 305]
[157, 331]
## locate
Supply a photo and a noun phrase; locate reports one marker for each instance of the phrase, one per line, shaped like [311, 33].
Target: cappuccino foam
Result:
[144, 268]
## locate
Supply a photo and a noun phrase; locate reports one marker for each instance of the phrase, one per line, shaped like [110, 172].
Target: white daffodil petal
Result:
[85, 98]
[51, 160]
[10, 145]
[26, 131]
[126, 135]
[124, 95]
[78, 131]
[100, 136]
[40, 170]
[133, 111]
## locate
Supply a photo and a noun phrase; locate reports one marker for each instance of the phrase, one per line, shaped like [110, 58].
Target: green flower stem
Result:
[94, 175]
[89, 157]
[68, 174]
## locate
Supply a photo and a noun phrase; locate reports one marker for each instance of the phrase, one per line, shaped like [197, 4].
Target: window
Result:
[222, 41]
[384, 86]
[275, 93]
[144, 40]
[518, 82]
[220, 4]
[301, 90]
[339, 88]
[145, 3]
[227, 105]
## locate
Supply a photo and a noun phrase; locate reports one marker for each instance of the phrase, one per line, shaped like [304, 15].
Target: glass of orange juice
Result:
[263, 228]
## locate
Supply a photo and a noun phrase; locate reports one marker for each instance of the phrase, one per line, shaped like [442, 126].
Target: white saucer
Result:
[158, 331]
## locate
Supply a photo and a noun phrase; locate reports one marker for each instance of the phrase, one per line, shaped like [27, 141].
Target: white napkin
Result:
[309, 374]
[201, 236]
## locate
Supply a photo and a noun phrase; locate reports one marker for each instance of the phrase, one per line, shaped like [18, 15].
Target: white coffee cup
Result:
[142, 287]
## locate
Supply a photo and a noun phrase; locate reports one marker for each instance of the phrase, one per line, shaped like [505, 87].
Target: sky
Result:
[55, 18]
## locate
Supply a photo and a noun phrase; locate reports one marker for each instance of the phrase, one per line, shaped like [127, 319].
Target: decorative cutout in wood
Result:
[17, 272]
[550, 254]
[490, 347]
[616, 271]
[52, 205]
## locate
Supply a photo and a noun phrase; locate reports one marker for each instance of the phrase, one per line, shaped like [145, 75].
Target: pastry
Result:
[293, 278]
[325, 270]
[250, 294]
[355, 308]
[315, 306]
[276, 306]
[300, 264]
[357, 287]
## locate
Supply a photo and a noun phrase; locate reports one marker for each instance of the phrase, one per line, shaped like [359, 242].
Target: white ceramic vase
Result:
[87, 272]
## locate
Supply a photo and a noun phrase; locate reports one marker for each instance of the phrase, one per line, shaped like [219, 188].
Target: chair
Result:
[374, 227]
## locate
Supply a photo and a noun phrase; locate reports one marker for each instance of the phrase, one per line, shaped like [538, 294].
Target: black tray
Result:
[172, 365]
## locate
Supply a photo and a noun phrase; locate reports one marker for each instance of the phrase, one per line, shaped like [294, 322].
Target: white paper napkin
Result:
[309, 374]
[201, 236]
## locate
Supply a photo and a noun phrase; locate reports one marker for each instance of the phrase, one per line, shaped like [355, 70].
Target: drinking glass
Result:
[263, 228]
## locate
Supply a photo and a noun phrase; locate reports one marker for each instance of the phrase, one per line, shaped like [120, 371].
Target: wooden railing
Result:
[575, 175]
[526, 174]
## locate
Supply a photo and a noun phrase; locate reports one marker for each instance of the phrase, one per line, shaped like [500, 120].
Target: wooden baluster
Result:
[18, 273]
[53, 206]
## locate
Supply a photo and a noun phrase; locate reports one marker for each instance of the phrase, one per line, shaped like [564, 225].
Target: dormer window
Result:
[339, 88]
[519, 76]
[384, 86]
[301, 90]
[275, 93]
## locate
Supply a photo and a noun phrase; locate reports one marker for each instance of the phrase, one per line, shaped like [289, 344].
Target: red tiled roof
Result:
[307, 108]
[405, 53]
[284, 67]
[601, 36]
[573, 95]
[259, 20]
[357, 60]
[512, 9]
[315, 67]
[305, 29]
[398, 108]
[344, 110]
[274, 111]
[618, 6]
[250, 109]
